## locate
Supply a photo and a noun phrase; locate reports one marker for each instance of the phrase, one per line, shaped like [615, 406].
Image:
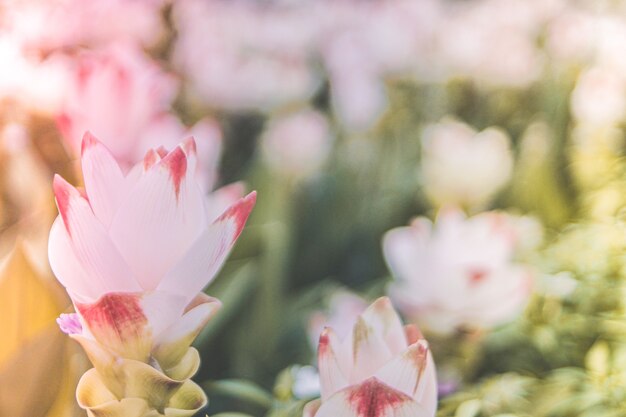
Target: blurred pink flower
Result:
[115, 94]
[383, 370]
[473, 40]
[35, 83]
[463, 167]
[459, 272]
[57, 24]
[124, 99]
[570, 36]
[297, 144]
[245, 56]
[134, 251]
[343, 310]
[599, 97]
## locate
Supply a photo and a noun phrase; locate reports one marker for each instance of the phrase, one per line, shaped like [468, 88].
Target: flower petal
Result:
[105, 268]
[93, 395]
[370, 351]
[173, 343]
[371, 398]
[427, 390]
[405, 371]
[332, 379]
[118, 322]
[104, 181]
[221, 199]
[384, 320]
[187, 401]
[186, 367]
[204, 259]
[165, 215]
[67, 268]
[311, 408]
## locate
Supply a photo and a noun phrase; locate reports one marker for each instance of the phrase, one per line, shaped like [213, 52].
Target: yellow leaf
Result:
[29, 381]
[28, 304]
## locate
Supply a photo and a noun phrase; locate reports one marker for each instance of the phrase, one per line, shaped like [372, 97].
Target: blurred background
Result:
[350, 118]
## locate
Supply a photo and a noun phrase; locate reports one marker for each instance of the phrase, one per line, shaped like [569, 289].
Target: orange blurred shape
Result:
[35, 379]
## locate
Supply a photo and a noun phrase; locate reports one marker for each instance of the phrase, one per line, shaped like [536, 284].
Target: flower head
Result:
[123, 97]
[382, 369]
[457, 272]
[134, 252]
[463, 167]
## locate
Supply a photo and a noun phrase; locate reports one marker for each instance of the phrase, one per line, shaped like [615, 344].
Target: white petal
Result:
[406, 249]
[310, 409]
[173, 343]
[370, 351]
[160, 220]
[427, 390]
[332, 379]
[104, 182]
[203, 260]
[405, 371]
[384, 320]
[105, 269]
[67, 268]
[162, 310]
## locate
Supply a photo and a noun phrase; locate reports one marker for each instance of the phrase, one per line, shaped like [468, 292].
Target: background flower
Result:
[457, 272]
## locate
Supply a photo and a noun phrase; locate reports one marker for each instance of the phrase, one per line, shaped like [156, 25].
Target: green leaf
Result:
[242, 390]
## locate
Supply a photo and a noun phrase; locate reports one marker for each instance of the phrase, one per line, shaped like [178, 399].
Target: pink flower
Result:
[245, 56]
[124, 99]
[57, 24]
[382, 370]
[343, 310]
[298, 144]
[134, 252]
[457, 272]
[115, 94]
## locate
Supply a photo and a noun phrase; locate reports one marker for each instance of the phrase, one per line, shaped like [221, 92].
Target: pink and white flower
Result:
[458, 272]
[381, 370]
[135, 251]
[123, 97]
[115, 94]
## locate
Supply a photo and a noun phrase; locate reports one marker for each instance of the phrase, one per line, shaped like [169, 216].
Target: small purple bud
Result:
[70, 324]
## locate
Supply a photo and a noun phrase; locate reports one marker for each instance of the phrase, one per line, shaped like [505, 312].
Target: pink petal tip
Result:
[239, 212]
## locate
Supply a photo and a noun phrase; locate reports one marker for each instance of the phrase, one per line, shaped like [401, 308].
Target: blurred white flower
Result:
[599, 97]
[462, 167]
[242, 56]
[36, 84]
[297, 144]
[344, 307]
[458, 272]
[306, 382]
[54, 24]
[474, 40]
[559, 285]
[570, 36]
